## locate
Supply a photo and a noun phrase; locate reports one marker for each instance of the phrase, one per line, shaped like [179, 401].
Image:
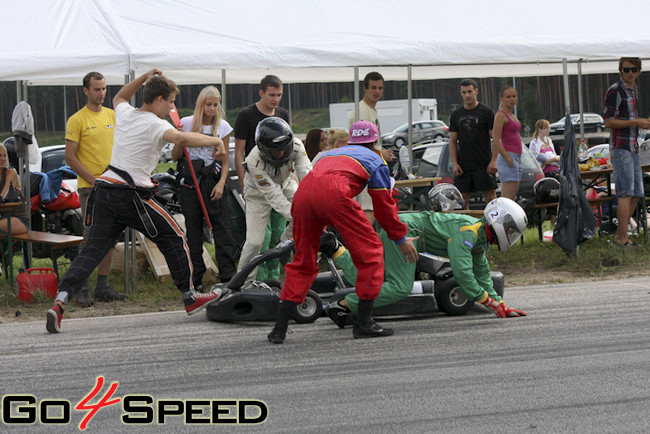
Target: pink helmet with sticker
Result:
[363, 132]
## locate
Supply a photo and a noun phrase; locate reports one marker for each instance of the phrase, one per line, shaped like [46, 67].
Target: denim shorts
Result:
[507, 173]
[628, 177]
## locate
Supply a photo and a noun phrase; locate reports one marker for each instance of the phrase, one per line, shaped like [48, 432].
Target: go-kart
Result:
[440, 292]
[261, 302]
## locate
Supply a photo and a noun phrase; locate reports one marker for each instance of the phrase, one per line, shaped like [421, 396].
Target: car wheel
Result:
[451, 299]
[310, 309]
[399, 142]
[439, 138]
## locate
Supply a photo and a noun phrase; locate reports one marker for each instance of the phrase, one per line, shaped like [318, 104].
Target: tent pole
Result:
[223, 91]
[565, 74]
[65, 108]
[356, 93]
[514, 85]
[23, 170]
[580, 108]
[409, 93]
[290, 111]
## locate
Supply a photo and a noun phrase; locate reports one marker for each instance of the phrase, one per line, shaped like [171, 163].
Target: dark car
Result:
[433, 160]
[593, 123]
[423, 131]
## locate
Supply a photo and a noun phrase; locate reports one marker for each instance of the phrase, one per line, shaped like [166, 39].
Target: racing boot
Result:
[365, 326]
[279, 332]
[339, 314]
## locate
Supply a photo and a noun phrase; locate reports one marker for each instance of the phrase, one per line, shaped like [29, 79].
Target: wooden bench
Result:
[599, 201]
[53, 241]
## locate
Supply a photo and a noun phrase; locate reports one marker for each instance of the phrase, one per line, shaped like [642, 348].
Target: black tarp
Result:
[575, 218]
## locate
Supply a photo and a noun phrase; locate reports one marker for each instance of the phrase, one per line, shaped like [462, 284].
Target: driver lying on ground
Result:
[461, 238]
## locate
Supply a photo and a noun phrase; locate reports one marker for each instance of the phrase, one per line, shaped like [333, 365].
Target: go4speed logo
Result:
[22, 409]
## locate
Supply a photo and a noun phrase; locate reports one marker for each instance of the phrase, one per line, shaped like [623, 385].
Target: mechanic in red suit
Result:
[326, 197]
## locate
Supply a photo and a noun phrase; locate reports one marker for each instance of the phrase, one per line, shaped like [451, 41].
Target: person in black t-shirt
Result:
[470, 147]
[248, 118]
[245, 126]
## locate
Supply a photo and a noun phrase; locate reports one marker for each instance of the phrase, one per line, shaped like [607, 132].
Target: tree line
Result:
[539, 97]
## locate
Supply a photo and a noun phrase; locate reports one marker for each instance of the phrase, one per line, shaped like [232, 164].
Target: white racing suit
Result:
[268, 187]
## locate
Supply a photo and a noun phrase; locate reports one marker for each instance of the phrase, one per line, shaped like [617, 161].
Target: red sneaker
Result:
[198, 301]
[54, 316]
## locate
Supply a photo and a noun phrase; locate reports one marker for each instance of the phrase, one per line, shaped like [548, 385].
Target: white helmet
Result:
[507, 220]
[445, 197]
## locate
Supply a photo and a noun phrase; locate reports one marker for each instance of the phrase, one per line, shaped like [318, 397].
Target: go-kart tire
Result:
[310, 310]
[450, 298]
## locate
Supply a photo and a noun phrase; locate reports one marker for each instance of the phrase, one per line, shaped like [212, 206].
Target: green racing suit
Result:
[459, 237]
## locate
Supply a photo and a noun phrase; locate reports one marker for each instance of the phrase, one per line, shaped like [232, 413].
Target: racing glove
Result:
[497, 307]
[513, 313]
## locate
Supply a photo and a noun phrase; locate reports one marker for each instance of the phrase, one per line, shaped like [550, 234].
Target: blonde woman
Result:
[212, 176]
[19, 215]
[337, 137]
[543, 150]
[506, 144]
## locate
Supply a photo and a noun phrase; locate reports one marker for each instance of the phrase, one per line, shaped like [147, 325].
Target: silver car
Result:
[423, 131]
[593, 123]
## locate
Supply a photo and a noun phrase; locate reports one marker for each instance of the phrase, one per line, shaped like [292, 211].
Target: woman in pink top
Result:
[506, 144]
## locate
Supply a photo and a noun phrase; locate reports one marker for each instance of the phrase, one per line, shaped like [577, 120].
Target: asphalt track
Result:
[580, 362]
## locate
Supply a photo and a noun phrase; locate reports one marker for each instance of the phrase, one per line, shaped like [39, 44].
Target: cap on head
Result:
[363, 132]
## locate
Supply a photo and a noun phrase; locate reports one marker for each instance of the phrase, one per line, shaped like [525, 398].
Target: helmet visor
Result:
[510, 229]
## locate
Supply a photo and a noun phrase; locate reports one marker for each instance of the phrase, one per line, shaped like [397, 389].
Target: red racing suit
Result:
[326, 197]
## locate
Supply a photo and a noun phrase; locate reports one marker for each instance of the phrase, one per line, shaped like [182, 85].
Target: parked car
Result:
[423, 131]
[49, 158]
[593, 123]
[433, 160]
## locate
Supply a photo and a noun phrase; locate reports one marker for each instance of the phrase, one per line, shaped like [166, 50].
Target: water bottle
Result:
[405, 159]
[583, 152]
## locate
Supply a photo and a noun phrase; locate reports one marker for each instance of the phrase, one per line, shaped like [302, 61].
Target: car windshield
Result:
[401, 129]
[53, 159]
[527, 160]
[426, 161]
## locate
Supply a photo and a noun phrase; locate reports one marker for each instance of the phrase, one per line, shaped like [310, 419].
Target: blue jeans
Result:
[628, 176]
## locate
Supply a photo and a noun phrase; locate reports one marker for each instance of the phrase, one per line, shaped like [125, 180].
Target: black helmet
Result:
[547, 190]
[10, 146]
[274, 139]
[445, 197]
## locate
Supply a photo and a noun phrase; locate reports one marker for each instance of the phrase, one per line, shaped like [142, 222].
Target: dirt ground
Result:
[36, 311]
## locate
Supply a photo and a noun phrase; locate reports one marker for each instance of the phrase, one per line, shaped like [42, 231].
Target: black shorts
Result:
[475, 181]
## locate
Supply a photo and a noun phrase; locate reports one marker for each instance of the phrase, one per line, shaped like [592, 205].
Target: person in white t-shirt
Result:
[212, 175]
[373, 90]
[123, 195]
[543, 149]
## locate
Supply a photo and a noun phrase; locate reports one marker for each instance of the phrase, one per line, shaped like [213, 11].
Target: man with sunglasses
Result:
[621, 115]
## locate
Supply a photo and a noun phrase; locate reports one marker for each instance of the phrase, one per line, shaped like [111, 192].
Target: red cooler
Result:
[36, 280]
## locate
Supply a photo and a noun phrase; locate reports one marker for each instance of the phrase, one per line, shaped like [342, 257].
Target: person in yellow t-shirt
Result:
[88, 150]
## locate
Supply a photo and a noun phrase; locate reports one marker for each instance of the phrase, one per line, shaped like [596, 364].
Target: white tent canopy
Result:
[193, 41]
